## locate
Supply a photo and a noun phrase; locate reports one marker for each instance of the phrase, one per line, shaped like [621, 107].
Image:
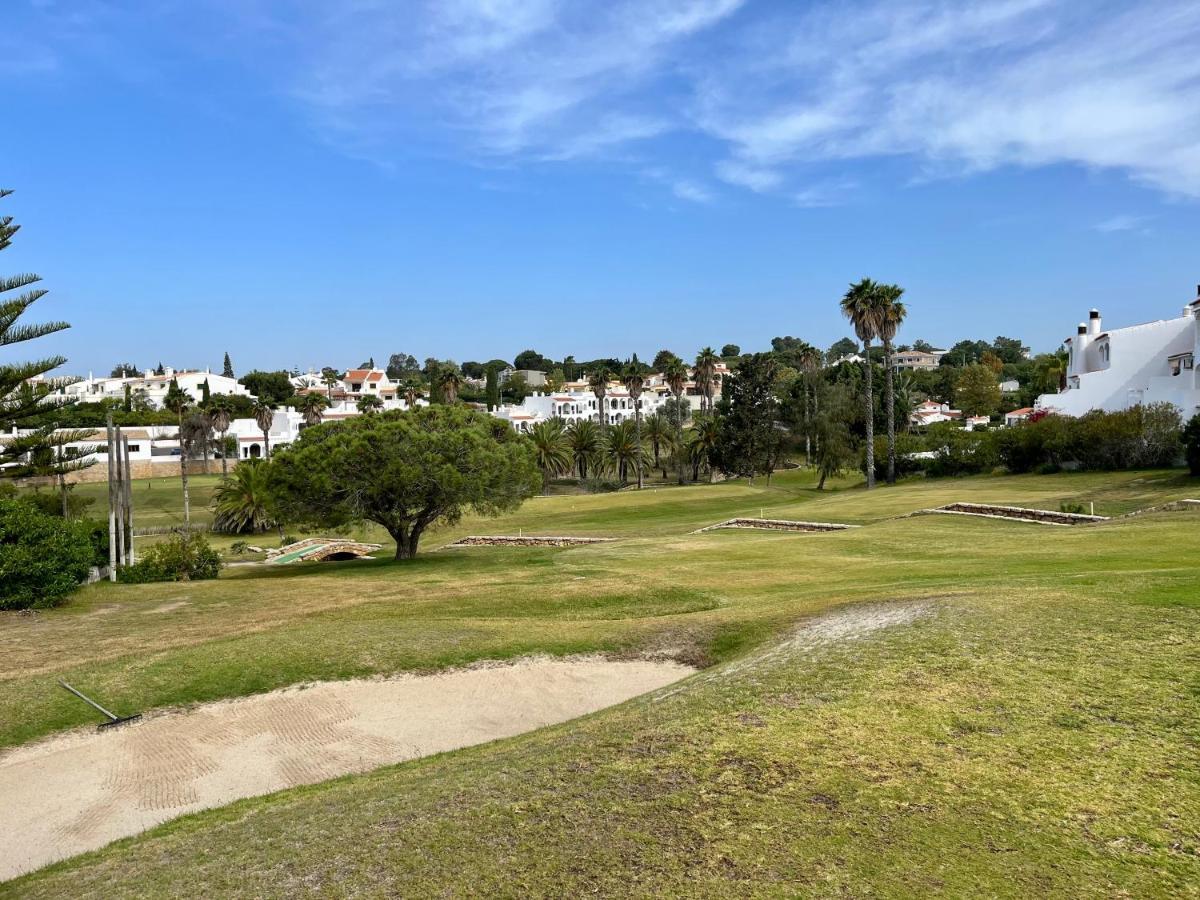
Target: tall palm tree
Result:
[675, 374]
[204, 428]
[860, 306]
[583, 437]
[706, 434]
[661, 434]
[704, 373]
[635, 383]
[220, 411]
[810, 359]
[264, 415]
[329, 377]
[178, 402]
[312, 407]
[891, 315]
[551, 448]
[449, 381]
[623, 447]
[598, 382]
[243, 503]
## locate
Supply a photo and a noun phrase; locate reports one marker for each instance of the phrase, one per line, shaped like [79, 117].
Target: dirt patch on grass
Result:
[80, 791]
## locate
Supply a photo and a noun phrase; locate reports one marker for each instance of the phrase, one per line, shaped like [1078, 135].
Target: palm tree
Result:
[243, 503]
[583, 437]
[329, 377]
[449, 381]
[675, 374]
[860, 306]
[313, 407]
[704, 373]
[368, 404]
[552, 449]
[661, 435]
[623, 447]
[412, 390]
[203, 428]
[905, 400]
[706, 434]
[635, 383]
[264, 415]
[598, 382]
[810, 359]
[220, 411]
[891, 314]
[178, 402]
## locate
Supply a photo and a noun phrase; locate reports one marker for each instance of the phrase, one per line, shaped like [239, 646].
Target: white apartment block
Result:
[153, 387]
[1117, 369]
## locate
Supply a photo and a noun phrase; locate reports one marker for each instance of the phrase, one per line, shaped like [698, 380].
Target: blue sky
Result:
[309, 183]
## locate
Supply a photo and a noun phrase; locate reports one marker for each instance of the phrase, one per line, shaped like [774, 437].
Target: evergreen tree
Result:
[17, 400]
[749, 442]
[492, 388]
[161, 370]
[228, 370]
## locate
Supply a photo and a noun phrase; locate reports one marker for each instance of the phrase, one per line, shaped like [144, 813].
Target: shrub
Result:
[1191, 444]
[182, 557]
[1138, 437]
[960, 452]
[42, 558]
[906, 445]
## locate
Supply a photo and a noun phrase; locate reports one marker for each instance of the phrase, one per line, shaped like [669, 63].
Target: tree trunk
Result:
[890, 400]
[62, 486]
[679, 434]
[225, 455]
[870, 398]
[266, 444]
[821, 483]
[187, 512]
[637, 420]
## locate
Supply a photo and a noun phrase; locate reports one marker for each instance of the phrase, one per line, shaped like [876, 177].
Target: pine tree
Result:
[18, 400]
[228, 370]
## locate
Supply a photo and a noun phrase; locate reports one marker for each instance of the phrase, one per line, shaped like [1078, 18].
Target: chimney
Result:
[1094, 322]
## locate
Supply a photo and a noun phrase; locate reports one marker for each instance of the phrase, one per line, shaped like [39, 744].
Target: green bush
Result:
[1134, 438]
[182, 557]
[906, 445]
[42, 558]
[1191, 444]
[960, 452]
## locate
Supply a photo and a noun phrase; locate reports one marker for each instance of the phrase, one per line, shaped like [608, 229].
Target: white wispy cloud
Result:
[772, 98]
[1121, 223]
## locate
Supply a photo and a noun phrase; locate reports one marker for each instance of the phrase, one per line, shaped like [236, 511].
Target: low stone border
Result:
[509, 540]
[1173, 506]
[1016, 514]
[777, 525]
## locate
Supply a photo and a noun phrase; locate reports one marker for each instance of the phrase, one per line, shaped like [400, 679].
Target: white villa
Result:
[913, 360]
[1117, 369]
[154, 387]
[930, 412]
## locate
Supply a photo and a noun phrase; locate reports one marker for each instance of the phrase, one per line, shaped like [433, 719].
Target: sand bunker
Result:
[82, 790]
[512, 540]
[777, 525]
[1018, 514]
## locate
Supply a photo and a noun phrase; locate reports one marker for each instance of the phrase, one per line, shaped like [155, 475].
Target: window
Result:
[135, 448]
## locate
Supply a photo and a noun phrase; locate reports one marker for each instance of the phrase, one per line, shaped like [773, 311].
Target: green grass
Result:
[1038, 734]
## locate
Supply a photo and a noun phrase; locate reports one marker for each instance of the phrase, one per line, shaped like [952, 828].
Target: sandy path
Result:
[82, 790]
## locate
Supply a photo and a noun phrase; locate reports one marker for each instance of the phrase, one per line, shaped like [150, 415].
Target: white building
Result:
[153, 387]
[930, 412]
[913, 360]
[576, 402]
[1117, 369]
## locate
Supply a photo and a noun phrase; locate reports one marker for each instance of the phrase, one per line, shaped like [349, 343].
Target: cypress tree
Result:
[228, 370]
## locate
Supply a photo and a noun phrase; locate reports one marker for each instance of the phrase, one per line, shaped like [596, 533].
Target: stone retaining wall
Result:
[1019, 513]
[508, 540]
[777, 525]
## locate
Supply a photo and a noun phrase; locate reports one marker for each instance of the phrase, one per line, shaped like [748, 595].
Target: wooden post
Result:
[128, 473]
[119, 488]
[112, 505]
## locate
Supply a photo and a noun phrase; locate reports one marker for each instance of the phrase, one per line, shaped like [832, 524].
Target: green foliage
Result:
[244, 504]
[181, 557]
[960, 452]
[272, 388]
[551, 448]
[1138, 437]
[749, 442]
[841, 348]
[1191, 444]
[227, 369]
[977, 392]
[404, 471]
[729, 351]
[42, 557]
[662, 359]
